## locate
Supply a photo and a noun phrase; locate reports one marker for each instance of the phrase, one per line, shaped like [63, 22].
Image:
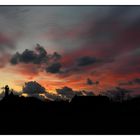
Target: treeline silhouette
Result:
[83, 115]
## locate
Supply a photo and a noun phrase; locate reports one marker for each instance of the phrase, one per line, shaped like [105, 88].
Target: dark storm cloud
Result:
[111, 34]
[114, 35]
[54, 68]
[135, 81]
[69, 93]
[56, 56]
[39, 56]
[104, 35]
[26, 57]
[33, 87]
[90, 82]
[117, 94]
[105, 25]
[86, 60]
[66, 92]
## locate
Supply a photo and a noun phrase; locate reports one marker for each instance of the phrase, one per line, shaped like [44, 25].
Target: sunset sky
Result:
[100, 43]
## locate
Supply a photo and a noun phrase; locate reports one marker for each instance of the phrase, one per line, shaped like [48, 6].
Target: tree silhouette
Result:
[117, 94]
[6, 90]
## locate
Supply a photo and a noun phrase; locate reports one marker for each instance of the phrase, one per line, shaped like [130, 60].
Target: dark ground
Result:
[84, 115]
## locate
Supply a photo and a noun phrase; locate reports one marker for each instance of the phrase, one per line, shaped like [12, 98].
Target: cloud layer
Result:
[40, 57]
[79, 42]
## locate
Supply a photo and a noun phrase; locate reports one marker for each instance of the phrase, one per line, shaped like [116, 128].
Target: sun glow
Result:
[24, 94]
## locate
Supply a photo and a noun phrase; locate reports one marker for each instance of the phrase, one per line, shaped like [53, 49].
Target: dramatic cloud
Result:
[86, 60]
[110, 37]
[33, 87]
[101, 39]
[90, 82]
[66, 92]
[135, 81]
[54, 68]
[117, 94]
[69, 93]
[56, 56]
[39, 56]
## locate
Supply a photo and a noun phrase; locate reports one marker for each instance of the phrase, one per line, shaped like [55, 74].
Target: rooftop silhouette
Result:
[83, 115]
